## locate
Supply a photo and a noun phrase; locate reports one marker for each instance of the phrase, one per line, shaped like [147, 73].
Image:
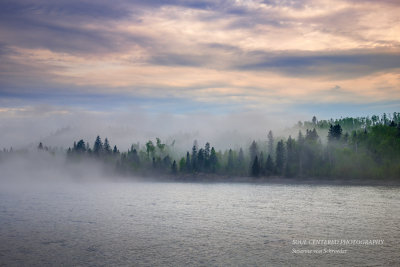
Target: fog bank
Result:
[55, 126]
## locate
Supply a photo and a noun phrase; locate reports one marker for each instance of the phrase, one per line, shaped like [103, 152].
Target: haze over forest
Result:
[361, 148]
[222, 72]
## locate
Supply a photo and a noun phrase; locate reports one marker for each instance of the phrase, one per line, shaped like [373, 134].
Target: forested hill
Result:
[359, 148]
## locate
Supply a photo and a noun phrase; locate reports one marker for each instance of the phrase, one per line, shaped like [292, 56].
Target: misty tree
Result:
[207, 156]
[280, 157]
[261, 163]
[270, 143]
[213, 160]
[80, 146]
[106, 146]
[150, 149]
[200, 159]
[385, 119]
[291, 157]
[241, 162]
[253, 150]
[335, 132]
[188, 162]
[98, 146]
[134, 157]
[194, 156]
[166, 162]
[300, 151]
[314, 120]
[115, 150]
[40, 146]
[311, 135]
[255, 167]
[160, 146]
[269, 166]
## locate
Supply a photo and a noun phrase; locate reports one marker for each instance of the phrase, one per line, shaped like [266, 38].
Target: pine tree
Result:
[207, 156]
[98, 146]
[270, 143]
[213, 160]
[280, 157]
[269, 166]
[335, 132]
[255, 167]
[253, 150]
[194, 156]
[80, 146]
[188, 162]
[261, 163]
[314, 121]
[291, 158]
[200, 160]
[106, 146]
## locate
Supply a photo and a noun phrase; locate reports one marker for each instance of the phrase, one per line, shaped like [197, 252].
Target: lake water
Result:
[181, 224]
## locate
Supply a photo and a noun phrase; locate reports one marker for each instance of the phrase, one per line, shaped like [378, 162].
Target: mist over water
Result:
[180, 224]
[54, 211]
[57, 209]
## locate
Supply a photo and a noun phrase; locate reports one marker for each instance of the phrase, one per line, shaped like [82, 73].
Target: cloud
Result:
[349, 64]
[238, 55]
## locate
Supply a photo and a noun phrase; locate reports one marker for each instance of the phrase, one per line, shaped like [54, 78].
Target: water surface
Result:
[180, 224]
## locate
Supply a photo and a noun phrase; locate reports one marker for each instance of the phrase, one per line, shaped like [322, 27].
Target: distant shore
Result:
[212, 178]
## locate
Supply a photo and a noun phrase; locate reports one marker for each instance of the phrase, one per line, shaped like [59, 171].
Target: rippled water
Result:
[180, 224]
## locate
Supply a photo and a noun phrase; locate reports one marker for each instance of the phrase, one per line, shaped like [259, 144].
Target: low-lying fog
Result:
[41, 167]
[57, 127]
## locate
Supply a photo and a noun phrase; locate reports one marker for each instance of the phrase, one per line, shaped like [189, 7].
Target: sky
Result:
[279, 58]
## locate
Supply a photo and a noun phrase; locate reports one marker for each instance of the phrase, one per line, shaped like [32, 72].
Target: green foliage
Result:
[357, 148]
[335, 133]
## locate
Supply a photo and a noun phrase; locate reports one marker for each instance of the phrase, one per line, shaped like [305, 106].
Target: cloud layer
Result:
[216, 55]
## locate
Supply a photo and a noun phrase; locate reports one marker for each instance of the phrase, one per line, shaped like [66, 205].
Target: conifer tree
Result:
[269, 166]
[270, 143]
[98, 146]
[213, 160]
[106, 146]
[255, 167]
[188, 162]
[280, 157]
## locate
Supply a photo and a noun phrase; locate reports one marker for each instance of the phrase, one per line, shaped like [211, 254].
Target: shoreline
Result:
[212, 178]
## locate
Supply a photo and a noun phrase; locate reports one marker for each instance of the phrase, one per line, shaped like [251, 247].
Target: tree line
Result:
[355, 148]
